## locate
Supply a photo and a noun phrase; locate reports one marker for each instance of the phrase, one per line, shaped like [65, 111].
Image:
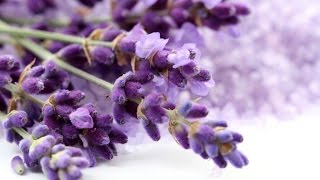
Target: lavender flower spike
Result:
[65, 163]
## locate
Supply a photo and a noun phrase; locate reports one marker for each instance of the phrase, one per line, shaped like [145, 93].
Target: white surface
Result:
[276, 150]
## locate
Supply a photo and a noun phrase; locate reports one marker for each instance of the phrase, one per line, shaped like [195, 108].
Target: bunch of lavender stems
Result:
[61, 134]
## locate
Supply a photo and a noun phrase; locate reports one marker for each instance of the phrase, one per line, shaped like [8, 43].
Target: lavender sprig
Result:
[39, 148]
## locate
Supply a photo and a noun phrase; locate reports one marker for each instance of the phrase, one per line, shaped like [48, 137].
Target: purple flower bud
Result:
[203, 76]
[80, 162]
[36, 71]
[32, 85]
[176, 78]
[197, 111]
[103, 151]
[237, 159]
[205, 133]
[160, 59]
[189, 69]
[153, 99]
[128, 43]
[156, 114]
[215, 124]
[151, 129]
[40, 131]
[81, 118]
[68, 97]
[169, 105]
[195, 144]
[237, 137]
[88, 154]
[61, 96]
[204, 155]
[117, 136]
[75, 96]
[10, 135]
[111, 34]
[38, 7]
[61, 160]
[224, 136]
[103, 55]
[153, 22]
[134, 90]
[212, 150]
[24, 145]
[30, 163]
[57, 148]
[103, 120]
[71, 51]
[180, 15]
[41, 147]
[181, 135]
[220, 161]
[5, 79]
[45, 166]
[17, 165]
[242, 9]
[69, 131]
[127, 46]
[48, 110]
[64, 111]
[6, 62]
[120, 114]
[97, 137]
[224, 10]
[16, 119]
[118, 95]
[143, 76]
[91, 108]
[53, 123]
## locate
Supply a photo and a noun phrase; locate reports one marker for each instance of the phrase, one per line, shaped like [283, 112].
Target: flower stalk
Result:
[23, 32]
[14, 89]
[23, 133]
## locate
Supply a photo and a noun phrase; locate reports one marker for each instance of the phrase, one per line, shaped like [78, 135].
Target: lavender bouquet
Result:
[75, 87]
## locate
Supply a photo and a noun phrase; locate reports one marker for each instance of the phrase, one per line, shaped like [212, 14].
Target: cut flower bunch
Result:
[75, 88]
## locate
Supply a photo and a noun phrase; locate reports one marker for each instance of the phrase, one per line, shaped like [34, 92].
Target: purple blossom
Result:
[209, 140]
[183, 56]
[64, 163]
[149, 44]
[81, 118]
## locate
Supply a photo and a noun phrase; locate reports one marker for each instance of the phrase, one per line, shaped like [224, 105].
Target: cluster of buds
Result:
[162, 15]
[41, 149]
[209, 139]
[82, 125]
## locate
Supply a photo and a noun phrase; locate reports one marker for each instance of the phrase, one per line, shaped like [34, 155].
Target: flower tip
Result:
[17, 165]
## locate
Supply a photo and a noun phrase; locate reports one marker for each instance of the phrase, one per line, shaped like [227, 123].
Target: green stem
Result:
[14, 31]
[14, 89]
[23, 133]
[51, 22]
[46, 55]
